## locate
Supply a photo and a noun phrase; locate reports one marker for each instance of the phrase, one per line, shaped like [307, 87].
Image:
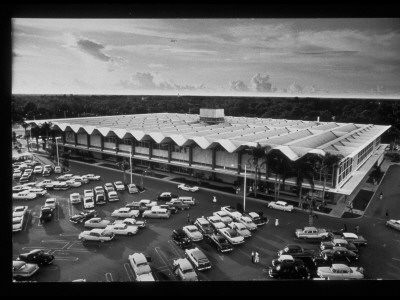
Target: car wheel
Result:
[130, 233]
[102, 241]
[83, 239]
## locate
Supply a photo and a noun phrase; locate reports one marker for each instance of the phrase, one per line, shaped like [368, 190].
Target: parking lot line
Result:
[26, 221]
[129, 271]
[66, 258]
[164, 259]
[175, 246]
[109, 277]
[33, 248]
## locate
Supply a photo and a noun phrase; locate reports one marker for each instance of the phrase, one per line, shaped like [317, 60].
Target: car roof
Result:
[197, 252]
[349, 235]
[190, 227]
[339, 248]
[253, 214]
[286, 257]
[340, 267]
[310, 228]
[98, 230]
[139, 258]
[281, 202]
[184, 263]
[340, 241]
[202, 221]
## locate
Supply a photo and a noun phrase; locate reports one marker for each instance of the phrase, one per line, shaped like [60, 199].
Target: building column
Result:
[169, 152]
[214, 155]
[239, 162]
[101, 142]
[190, 155]
[76, 139]
[88, 140]
[63, 136]
[133, 146]
[116, 144]
[150, 149]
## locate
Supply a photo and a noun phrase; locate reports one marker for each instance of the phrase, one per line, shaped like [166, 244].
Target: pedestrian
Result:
[345, 228]
[215, 199]
[256, 257]
[357, 229]
[252, 257]
[188, 218]
[381, 196]
[387, 213]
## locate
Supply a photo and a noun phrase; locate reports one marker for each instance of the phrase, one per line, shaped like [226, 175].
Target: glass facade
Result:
[345, 169]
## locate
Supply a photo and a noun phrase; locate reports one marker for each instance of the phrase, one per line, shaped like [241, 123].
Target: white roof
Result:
[350, 235]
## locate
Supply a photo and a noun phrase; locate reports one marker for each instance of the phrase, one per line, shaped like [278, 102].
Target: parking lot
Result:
[108, 262]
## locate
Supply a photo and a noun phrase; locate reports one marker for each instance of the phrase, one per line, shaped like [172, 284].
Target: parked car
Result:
[17, 174]
[232, 236]
[157, 212]
[83, 216]
[132, 188]
[232, 212]
[17, 223]
[166, 196]
[46, 184]
[172, 209]
[339, 254]
[64, 177]
[38, 191]
[189, 188]
[38, 170]
[184, 270]
[220, 242]
[93, 177]
[21, 269]
[73, 183]
[178, 204]
[204, 226]
[108, 187]
[132, 221]
[216, 222]
[88, 202]
[119, 186]
[46, 172]
[198, 259]
[122, 229]
[296, 251]
[338, 243]
[395, 224]
[60, 186]
[240, 228]
[88, 193]
[312, 233]
[37, 256]
[248, 222]
[97, 222]
[57, 170]
[140, 266]
[193, 233]
[81, 179]
[25, 178]
[356, 239]
[340, 272]
[75, 198]
[187, 200]
[181, 239]
[46, 214]
[100, 199]
[280, 205]
[286, 259]
[289, 271]
[19, 211]
[223, 216]
[257, 218]
[96, 234]
[125, 212]
[24, 195]
[50, 203]
[112, 196]
[20, 188]
[99, 190]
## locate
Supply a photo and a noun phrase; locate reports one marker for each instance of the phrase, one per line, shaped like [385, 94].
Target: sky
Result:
[239, 57]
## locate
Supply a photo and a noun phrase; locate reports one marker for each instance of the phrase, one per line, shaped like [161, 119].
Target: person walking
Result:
[188, 218]
[387, 213]
[215, 199]
[252, 257]
[357, 229]
[345, 228]
[381, 196]
[256, 257]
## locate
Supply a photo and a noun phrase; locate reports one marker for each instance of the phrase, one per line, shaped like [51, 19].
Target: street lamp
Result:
[58, 158]
[130, 162]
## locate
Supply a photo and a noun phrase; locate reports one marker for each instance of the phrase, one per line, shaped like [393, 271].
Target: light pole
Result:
[244, 189]
[58, 158]
[130, 162]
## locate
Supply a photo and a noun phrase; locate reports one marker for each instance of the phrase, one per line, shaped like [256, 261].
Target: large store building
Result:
[213, 145]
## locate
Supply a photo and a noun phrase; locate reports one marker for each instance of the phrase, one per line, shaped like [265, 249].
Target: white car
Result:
[17, 223]
[340, 272]
[51, 203]
[64, 177]
[125, 212]
[216, 222]
[281, 205]
[140, 267]
[189, 188]
[232, 212]
[17, 174]
[92, 177]
[38, 170]
[109, 187]
[184, 270]
[88, 202]
[112, 196]
[193, 233]
[19, 188]
[232, 236]
[38, 191]
[24, 195]
[131, 221]
[75, 198]
[223, 216]
[119, 186]
[45, 184]
[99, 190]
[198, 259]
[97, 223]
[57, 170]
[88, 193]
[395, 224]
[19, 211]
[81, 179]
[122, 229]
[132, 188]
[248, 222]
[240, 228]
[73, 183]
[96, 234]
[60, 185]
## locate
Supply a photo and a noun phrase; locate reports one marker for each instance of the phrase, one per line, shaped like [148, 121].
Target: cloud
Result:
[93, 49]
[147, 81]
[260, 83]
[295, 88]
[154, 66]
[238, 85]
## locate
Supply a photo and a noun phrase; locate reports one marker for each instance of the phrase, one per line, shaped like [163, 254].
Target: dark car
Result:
[166, 196]
[220, 242]
[181, 239]
[100, 199]
[83, 216]
[339, 243]
[296, 251]
[204, 226]
[37, 256]
[339, 254]
[46, 214]
[172, 209]
[289, 271]
[257, 218]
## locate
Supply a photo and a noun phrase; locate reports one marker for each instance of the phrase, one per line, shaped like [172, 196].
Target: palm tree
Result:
[45, 128]
[26, 125]
[304, 170]
[35, 131]
[329, 161]
[279, 164]
[257, 152]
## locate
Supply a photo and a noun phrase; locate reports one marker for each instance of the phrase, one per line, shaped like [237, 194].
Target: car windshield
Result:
[16, 221]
